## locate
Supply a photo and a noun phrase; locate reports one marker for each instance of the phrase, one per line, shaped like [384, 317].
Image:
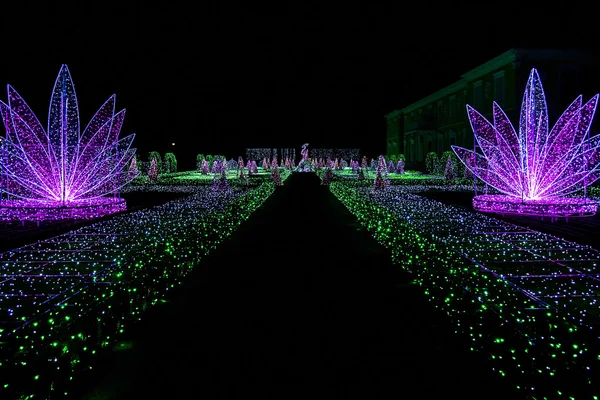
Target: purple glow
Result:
[61, 167]
[537, 166]
[555, 207]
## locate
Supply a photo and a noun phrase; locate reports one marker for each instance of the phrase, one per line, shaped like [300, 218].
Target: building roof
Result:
[435, 96]
[512, 55]
[393, 114]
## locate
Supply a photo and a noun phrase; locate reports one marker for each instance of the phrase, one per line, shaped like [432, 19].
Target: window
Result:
[452, 137]
[440, 109]
[477, 94]
[499, 87]
[452, 106]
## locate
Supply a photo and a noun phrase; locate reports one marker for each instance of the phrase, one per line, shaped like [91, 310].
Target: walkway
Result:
[301, 303]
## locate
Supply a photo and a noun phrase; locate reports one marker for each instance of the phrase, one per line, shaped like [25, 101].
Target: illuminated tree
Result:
[449, 171]
[133, 169]
[169, 163]
[400, 166]
[361, 175]
[241, 171]
[456, 164]
[204, 170]
[240, 166]
[381, 180]
[156, 154]
[199, 159]
[217, 167]
[153, 171]
[327, 176]
[391, 167]
[220, 182]
[275, 175]
[232, 164]
[431, 160]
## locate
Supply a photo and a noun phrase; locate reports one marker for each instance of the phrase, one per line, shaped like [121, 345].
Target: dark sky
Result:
[224, 76]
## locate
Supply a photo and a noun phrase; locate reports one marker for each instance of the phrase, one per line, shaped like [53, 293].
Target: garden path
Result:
[300, 303]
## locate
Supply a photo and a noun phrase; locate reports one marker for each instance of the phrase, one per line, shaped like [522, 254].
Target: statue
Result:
[305, 165]
[304, 152]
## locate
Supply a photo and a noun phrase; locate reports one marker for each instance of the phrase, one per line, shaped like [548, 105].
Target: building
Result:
[439, 120]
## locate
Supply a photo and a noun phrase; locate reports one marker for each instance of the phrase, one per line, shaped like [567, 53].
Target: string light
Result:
[526, 299]
[536, 167]
[66, 299]
[346, 154]
[61, 172]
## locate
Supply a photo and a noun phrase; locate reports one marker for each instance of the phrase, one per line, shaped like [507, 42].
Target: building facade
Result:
[439, 120]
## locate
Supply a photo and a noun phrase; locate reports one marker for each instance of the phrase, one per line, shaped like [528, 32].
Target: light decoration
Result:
[537, 168]
[381, 181]
[400, 167]
[305, 164]
[526, 299]
[61, 172]
[333, 153]
[65, 301]
[276, 173]
[326, 176]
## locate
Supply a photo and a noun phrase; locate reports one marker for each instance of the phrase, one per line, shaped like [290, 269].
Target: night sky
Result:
[227, 76]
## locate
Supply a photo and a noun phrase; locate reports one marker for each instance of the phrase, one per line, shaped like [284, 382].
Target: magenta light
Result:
[555, 207]
[62, 172]
[536, 167]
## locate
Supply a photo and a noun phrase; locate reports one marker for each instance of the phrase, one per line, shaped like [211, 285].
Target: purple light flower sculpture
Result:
[61, 172]
[536, 169]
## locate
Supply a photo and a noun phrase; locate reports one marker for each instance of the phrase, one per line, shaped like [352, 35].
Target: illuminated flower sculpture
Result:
[62, 172]
[537, 169]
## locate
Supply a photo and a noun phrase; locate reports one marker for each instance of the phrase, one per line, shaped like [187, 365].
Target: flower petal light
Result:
[536, 169]
[61, 172]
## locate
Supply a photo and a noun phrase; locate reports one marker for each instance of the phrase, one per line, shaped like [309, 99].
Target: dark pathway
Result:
[301, 303]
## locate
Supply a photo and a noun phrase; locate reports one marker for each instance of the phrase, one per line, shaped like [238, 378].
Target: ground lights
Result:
[64, 299]
[528, 299]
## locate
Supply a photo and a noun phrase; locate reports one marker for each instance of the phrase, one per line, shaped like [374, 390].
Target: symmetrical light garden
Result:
[528, 299]
[65, 299]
